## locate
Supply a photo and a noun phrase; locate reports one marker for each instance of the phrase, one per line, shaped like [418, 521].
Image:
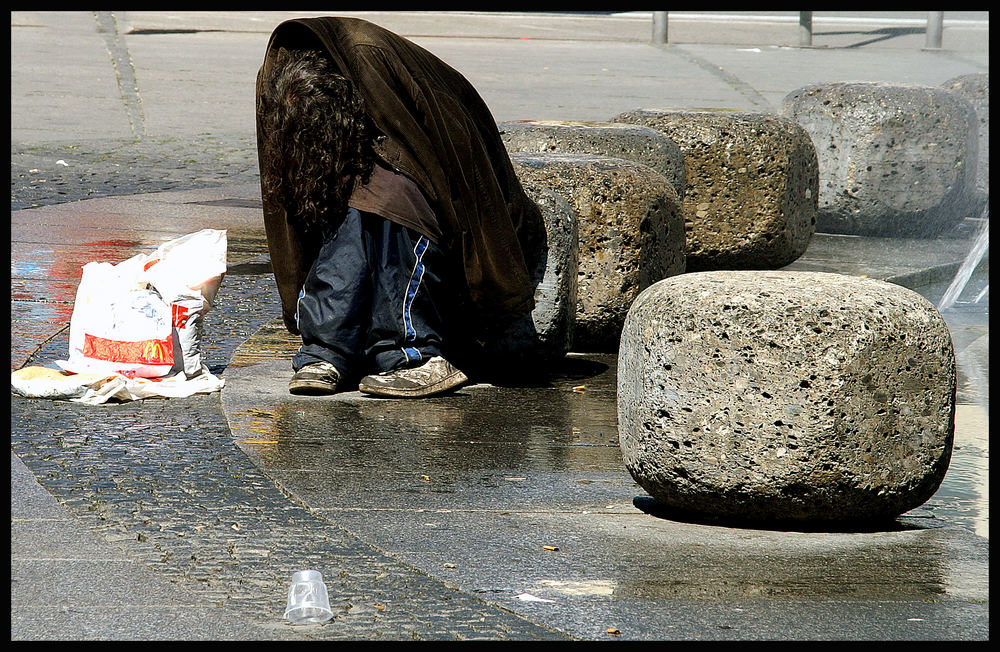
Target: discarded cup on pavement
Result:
[308, 600]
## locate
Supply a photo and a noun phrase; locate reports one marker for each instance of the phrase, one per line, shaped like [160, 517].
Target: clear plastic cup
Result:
[308, 600]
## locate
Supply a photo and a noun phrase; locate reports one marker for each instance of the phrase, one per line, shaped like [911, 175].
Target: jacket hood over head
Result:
[436, 129]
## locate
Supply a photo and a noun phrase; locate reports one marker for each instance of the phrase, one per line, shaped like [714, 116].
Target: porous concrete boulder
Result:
[777, 395]
[630, 233]
[546, 333]
[894, 159]
[752, 181]
[630, 142]
[975, 89]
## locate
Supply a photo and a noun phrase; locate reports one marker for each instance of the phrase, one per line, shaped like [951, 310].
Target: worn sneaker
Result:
[435, 376]
[315, 379]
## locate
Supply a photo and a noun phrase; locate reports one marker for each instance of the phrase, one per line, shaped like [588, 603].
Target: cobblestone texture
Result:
[164, 480]
[125, 167]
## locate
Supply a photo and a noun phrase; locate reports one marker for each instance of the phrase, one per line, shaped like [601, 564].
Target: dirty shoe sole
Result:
[399, 388]
[311, 387]
[315, 379]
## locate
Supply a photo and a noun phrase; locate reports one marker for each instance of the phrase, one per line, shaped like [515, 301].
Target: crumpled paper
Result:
[97, 388]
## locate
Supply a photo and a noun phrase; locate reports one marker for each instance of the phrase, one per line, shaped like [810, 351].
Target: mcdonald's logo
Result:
[154, 352]
[157, 352]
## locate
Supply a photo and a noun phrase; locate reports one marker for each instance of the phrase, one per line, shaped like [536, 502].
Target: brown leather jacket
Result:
[439, 133]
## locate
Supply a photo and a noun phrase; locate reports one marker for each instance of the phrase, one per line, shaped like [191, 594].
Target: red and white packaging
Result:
[143, 316]
[187, 273]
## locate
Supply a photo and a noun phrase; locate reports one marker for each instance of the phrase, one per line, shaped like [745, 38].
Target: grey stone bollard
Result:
[546, 333]
[630, 234]
[630, 142]
[800, 396]
[894, 160]
[975, 88]
[751, 186]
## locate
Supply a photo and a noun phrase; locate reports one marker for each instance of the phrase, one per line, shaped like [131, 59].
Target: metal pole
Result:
[805, 29]
[935, 25]
[660, 27]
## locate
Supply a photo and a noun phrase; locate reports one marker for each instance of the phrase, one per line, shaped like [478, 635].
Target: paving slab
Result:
[537, 515]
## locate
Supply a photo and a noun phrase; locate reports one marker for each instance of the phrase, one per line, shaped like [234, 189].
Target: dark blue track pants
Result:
[372, 300]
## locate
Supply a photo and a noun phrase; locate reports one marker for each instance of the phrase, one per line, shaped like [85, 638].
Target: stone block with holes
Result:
[975, 88]
[630, 234]
[894, 160]
[617, 140]
[546, 333]
[778, 395]
[751, 182]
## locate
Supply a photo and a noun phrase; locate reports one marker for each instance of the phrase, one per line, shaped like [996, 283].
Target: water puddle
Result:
[963, 497]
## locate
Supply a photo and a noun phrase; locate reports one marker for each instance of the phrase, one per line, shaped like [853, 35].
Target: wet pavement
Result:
[507, 491]
[498, 512]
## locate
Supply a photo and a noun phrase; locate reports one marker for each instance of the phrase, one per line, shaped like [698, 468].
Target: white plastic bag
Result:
[44, 382]
[144, 316]
[119, 325]
[187, 273]
[96, 389]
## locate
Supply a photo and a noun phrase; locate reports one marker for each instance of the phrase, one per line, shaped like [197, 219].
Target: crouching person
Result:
[396, 225]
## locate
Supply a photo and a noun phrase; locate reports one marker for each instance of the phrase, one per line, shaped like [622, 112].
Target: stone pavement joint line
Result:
[740, 86]
[124, 70]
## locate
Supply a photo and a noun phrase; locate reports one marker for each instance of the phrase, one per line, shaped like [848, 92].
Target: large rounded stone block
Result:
[975, 89]
[894, 160]
[751, 186]
[630, 234]
[547, 332]
[630, 142]
[801, 396]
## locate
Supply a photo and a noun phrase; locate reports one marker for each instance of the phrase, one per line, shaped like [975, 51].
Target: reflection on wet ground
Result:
[50, 246]
[498, 473]
[478, 444]
[475, 440]
[43, 283]
[801, 566]
[964, 494]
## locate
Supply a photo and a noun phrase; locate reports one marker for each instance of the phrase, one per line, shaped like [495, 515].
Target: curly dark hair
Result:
[316, 139]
